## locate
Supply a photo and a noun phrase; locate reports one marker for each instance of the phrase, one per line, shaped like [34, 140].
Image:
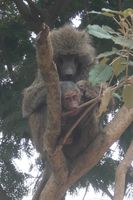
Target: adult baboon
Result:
[73, 54]
[87, 127]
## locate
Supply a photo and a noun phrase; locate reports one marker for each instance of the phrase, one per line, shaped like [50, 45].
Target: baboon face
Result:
[72, 67]
[73, 53]
[71, 97]
[67, 66]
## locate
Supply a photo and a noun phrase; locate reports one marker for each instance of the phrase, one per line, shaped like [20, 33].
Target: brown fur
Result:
[68, 40]
[87, 129]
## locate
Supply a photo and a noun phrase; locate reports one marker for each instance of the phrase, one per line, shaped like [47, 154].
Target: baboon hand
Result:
[42, 36]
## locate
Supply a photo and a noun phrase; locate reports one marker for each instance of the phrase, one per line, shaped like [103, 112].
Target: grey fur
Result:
[68, 40]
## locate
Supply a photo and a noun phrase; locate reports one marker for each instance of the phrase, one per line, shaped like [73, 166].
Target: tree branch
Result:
[60, 180]
[33, 16]
[64, 175]
[67, 135]
[48, 69]
[36, 11]
[53, 190]
[105, 190]
[101, 144]
[23, 9]
[50, 75]
[91, 156]
[121, 174]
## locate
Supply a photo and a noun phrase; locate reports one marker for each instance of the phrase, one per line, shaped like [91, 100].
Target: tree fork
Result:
[63, 176]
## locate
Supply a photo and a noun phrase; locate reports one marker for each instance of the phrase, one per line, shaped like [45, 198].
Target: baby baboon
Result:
[72, 96]
[87, 128]
[73, 55]
[70, 99]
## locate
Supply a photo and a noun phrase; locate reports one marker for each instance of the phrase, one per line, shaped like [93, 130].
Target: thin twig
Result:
[77, 122]
[86, 190]
[82, 106]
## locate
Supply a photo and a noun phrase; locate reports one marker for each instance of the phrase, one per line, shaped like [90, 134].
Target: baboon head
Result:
[73, 53]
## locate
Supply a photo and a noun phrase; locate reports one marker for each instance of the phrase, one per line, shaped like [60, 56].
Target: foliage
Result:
[115, 67]
[16, 55]
[12, 180]
[115, 63]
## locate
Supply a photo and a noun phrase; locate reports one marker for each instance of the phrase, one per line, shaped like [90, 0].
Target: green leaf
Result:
[102, 13]
[100, 73]
[117, 96]
[108, 53]
[124, 42]
[130, 63]
[106, 97]
[98, 32]
[104, 61]
[95, 12]
[127, 12]
[128, 96]
[108, 14]
[110, 30]
[119, 65]
[111, 11]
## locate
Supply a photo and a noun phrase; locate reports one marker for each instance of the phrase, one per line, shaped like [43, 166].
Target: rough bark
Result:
[121, 174]
[50, 75]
